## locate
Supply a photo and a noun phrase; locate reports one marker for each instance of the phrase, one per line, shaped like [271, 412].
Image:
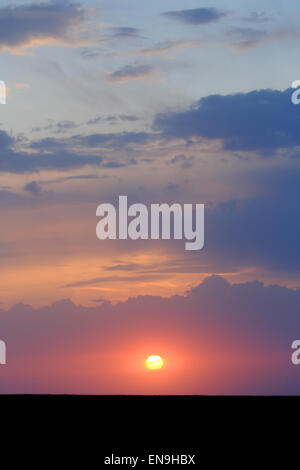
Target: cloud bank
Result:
[261, 120]
[230, 338]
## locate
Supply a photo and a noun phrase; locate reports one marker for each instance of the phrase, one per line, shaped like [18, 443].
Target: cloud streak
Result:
[12, 161]
[130, 73]
[196, 16]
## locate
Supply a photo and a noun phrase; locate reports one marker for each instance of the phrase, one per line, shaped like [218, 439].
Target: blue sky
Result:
[64, 84]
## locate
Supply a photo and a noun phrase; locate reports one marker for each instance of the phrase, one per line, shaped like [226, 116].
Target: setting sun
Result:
[154, 362]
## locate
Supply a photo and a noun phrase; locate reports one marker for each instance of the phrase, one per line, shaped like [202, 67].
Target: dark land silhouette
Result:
[85, 429]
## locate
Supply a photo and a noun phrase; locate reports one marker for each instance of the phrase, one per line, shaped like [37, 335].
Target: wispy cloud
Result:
[257, 17]
[125, 32]
[196, 16]
[245, 38]
[105, 279]
[131, 72]
[113, 118]
[167, 46]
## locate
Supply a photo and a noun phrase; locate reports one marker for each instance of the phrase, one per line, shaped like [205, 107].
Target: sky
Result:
[162, 101]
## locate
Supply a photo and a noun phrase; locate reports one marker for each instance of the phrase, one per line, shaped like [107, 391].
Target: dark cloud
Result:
[261, 120]
[172, 187]
[116, 140]
[95, 120]
[6, 140]
[127, 117]
[57, 128]
[53, 153]
[182, 160]
[114, 165]
[113, 118]
[18, 162]
[125, 32]
[19, 25]
[243, 331]
[33, 188]
[65, 126]
[196, 16]
[58, 158]
[49, 144]
[131, 72]
[261, 233]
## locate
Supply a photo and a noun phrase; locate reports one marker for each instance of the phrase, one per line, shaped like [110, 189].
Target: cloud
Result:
[58, 158]
[63, 179]
[64, 154]
[113, 118]
[125, 32]
[105, 279]
[24, 25]
[261, 120]
[257, 17]
[218, 338]
[57, 127]
[131, 72]
[196, 16]
[245, 38]
[166, 46]
[33, 188]
[184, 161]
[114, 140]
[261, 233]
[114, 165]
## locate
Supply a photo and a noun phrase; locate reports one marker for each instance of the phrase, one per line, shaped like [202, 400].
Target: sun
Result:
[154, 362]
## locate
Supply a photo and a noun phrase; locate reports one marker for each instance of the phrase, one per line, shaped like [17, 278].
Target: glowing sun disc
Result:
[154, 362]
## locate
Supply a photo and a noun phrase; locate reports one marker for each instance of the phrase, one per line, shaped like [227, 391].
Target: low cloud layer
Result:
[230, 339]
